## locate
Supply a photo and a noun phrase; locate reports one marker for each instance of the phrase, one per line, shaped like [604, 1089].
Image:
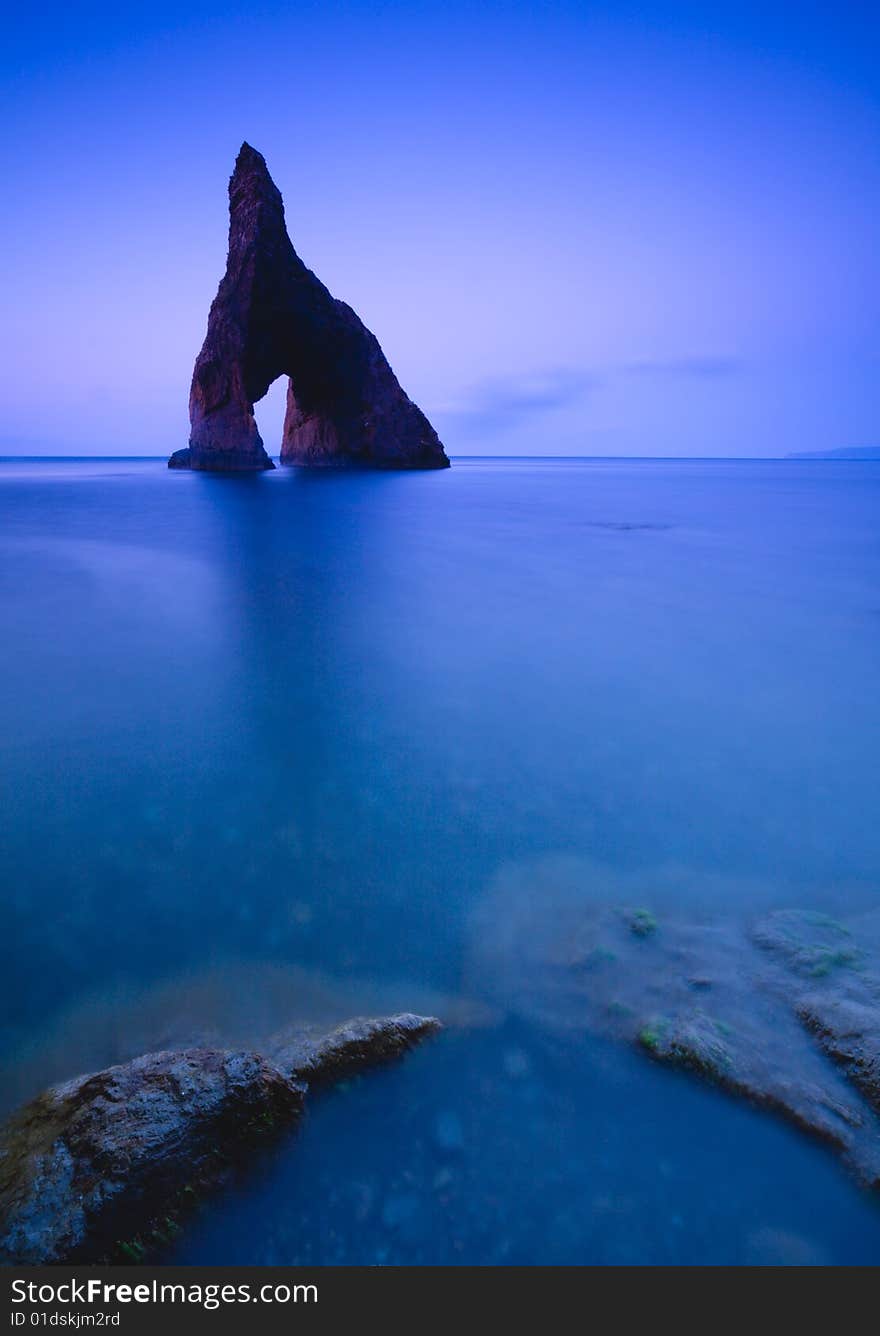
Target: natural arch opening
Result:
[269, 414]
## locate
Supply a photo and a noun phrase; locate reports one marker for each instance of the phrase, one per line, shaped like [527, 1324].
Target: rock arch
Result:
[272, 317]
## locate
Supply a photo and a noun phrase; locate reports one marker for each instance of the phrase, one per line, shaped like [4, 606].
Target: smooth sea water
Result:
[270, 743]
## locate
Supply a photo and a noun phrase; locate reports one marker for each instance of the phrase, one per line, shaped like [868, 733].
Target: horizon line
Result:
[819, 457]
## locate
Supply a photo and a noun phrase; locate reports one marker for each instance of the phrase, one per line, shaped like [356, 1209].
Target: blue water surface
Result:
[269, 742]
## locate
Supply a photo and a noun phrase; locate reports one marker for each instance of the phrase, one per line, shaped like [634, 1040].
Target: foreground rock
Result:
[102, 1167]
[784, 1011]
[272, 317]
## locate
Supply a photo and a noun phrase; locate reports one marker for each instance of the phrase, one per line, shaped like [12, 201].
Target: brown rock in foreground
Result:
[101, 1166]
[272, 317]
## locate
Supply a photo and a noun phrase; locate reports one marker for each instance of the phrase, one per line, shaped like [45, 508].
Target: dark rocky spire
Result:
[272, 317]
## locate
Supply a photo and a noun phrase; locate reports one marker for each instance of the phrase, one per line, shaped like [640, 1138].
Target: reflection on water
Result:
[269, 741]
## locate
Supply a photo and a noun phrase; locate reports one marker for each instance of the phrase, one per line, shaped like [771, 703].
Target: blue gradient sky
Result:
[576, 229]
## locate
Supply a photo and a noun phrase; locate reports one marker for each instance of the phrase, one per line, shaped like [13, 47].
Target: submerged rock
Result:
[738, 1062]
[272, 317]
[848, 1029]
[101, 1166]
[784, 1012]
[810, 944]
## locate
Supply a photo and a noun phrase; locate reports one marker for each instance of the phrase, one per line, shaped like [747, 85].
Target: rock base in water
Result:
[232, 463]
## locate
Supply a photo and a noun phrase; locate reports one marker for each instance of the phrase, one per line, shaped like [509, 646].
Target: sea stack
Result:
[272, 317]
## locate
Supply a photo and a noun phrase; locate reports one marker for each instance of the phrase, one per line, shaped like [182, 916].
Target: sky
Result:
[576, 229]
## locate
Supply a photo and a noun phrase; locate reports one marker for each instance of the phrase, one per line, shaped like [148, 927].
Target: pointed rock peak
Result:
[250, 181]
[250, 163]
[247, 154]
[272, 317]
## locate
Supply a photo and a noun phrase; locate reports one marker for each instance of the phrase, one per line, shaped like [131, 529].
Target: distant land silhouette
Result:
[848, 452]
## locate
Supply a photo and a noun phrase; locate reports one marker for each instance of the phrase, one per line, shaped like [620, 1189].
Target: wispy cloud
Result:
[504, 402]
[701, 368]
